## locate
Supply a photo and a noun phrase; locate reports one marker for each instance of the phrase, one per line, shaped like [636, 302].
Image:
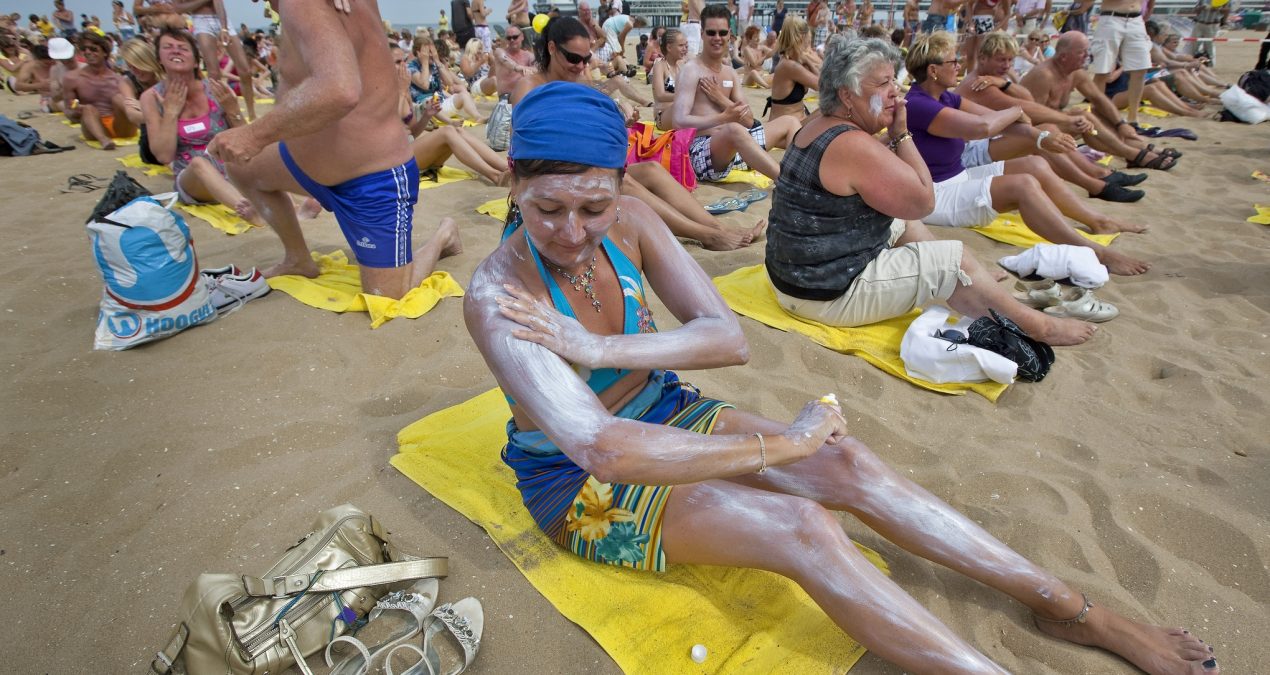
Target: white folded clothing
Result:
[938, 360]
[1059, 261]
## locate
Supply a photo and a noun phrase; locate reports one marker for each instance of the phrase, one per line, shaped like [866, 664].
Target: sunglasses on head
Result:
[575, 59]
[717, 33]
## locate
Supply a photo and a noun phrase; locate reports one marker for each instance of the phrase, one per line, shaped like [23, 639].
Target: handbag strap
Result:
[344, 578]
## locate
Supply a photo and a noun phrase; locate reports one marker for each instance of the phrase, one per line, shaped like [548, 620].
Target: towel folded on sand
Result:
[445, 175]
[1263, 215]
[134, 162]
[495, 208]
[338, 288]
[751, 621]
[749, 293]
[747, 176]
[119, 142]
[1008, 228]
[1261, 176]
[218, 216]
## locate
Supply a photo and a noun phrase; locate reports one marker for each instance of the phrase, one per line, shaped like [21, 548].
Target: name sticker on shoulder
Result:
[727, 83]
[194, 127]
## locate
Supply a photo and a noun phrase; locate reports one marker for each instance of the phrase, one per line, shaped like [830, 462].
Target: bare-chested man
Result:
[938, 13]
[708, 98]
[211, 29]
[336, 134]
[94, 95]
[480, 23]
[1051, 83]
[156, 14]
[987, 85]
[512, 62]
[32, 77]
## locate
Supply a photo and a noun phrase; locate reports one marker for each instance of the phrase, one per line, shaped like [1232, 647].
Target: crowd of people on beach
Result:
[914, 128]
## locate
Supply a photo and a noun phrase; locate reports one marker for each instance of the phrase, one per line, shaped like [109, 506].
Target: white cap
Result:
[60, 48]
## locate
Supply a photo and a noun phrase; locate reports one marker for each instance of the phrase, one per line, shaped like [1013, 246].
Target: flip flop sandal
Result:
[464, 621]
[429, 174]
[1080, 303]
[397, 617]
[83, 182]
[1167, 152]
[727, 204]
[752, 195]
[50, 148]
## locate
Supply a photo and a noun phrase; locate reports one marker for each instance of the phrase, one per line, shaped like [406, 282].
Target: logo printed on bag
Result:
[364, 242]
[144, 269]
[123, 325]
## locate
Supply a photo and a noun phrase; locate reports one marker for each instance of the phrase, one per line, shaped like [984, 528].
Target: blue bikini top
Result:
[636, 317]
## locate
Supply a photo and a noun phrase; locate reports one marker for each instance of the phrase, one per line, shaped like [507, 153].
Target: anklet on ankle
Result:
[1079, 618]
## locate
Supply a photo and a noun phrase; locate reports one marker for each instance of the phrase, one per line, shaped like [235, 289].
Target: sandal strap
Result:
[353, 641]
[1079, 618]
[458, 626]
[406, 645]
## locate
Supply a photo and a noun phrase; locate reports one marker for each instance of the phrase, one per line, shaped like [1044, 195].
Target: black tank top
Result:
[819, 242]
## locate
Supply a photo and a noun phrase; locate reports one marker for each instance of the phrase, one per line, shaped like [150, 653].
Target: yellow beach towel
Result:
[134, 162]
[338, 288]
[119, 142]
[747, 176]
[495, 208]
[1153, 111]
[749, 293]
[218, 216]
[265, 101]
[445, 176]
[1261, 176]
[1263, 215]
[751, 621]
[1008, 228]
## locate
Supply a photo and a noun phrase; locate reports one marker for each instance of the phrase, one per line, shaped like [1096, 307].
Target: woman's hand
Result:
[174, 99]
[899, 121]
[225, 98]
[543, 325]
[984, 81]
[1059, 143]
[817, 424]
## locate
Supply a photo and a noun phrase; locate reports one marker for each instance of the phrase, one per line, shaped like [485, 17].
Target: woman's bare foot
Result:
[309, 209]
[247, 212]
[1061, 332]
[1119, 263]
[1111, 225]
[303, 268]
[726, 239]
[1154, 649]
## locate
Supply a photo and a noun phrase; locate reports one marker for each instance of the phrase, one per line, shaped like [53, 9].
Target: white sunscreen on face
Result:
[875, 104]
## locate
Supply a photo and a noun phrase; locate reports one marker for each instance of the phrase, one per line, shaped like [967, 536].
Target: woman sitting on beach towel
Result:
[183, 113]
[622, 463]
[431, 79]
[844, 246]
[753, 53]
[795, 73]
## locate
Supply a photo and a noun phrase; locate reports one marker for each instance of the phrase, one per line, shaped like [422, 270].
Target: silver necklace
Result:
[583, 282]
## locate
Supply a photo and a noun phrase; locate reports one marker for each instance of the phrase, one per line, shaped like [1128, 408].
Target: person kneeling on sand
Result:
[941, 121]
[838, 248]
[94, 95]
[685, 479]
[336, 134]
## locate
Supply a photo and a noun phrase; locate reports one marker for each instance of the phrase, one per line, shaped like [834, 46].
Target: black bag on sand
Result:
[1257, 84]
[122, 189]
[1001, 335]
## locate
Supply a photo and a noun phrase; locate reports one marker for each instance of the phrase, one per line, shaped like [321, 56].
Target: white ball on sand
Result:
[699, 653]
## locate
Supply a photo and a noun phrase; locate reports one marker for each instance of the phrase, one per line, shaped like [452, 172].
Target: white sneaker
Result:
[231, 288]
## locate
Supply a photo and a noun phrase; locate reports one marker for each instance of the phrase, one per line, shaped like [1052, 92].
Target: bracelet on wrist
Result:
[895, 142]
[1040, 138]
[762, 454]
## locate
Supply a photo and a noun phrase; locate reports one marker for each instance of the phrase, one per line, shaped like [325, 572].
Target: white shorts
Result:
[692, 31]
[448, 109]
[975, 153]
[1120, 39]
[605, 54]
[205, 24]
[965, 200]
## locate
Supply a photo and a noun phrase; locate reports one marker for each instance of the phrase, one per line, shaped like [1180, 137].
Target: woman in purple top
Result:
[941, 122]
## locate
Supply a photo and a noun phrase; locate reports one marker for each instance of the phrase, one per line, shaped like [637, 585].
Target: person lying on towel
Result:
[623, 463]
[844, 247]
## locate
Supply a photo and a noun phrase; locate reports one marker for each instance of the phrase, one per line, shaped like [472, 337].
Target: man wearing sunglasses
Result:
[708, 98]
[512, 62]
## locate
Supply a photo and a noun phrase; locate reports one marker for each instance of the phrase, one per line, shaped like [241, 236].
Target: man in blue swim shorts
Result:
[335, 134]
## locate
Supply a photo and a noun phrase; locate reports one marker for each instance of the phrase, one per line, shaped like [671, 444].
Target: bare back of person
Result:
[370, 137]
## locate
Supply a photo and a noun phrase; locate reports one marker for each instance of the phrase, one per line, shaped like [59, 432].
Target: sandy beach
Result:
[1137, 470]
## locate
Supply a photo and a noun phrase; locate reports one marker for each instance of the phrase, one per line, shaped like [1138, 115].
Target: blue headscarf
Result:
[569, 122]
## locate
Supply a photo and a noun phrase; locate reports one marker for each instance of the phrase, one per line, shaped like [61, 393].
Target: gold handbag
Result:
[243, 625]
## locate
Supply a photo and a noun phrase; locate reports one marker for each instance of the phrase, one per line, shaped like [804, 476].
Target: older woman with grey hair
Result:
[844, 243]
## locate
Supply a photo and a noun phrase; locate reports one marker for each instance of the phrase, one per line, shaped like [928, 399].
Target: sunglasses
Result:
[956, 60]
[717, 33]
[515, 37]
[575, 59]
